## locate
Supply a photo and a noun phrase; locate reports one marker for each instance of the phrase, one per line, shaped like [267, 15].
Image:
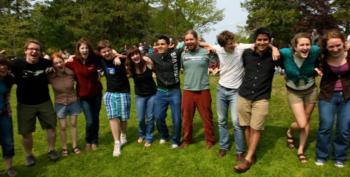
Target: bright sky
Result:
[234, 16]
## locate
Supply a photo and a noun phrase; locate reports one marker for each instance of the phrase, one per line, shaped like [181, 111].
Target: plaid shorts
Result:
[117, 105]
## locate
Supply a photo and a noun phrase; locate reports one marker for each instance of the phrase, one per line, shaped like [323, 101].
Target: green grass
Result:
[273, 157]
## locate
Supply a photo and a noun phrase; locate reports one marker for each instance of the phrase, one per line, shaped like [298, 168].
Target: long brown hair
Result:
[333, 33]
[130, 65]
[87, 43]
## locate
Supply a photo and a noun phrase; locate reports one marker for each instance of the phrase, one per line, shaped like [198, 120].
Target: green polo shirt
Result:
[195, 64]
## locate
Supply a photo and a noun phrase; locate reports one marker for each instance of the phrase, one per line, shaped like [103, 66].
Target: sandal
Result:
[76, 150]
[290, 139]
[302, 158]
[64, 152]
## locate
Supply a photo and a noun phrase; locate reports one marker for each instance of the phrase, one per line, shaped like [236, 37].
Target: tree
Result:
[291, 17]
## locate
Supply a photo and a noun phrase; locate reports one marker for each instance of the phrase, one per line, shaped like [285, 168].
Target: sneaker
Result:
[339, 164]
[123, 139]
[162, 141]
[53, 155]
[30, 160]
[148, 144]
[140, 140]
[174, 146]
[320, 162]
[116, 151]
[11, 172]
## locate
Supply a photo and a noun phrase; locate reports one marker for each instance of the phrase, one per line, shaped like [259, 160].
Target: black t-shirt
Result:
[117, 80]
[144, 83]
[31, 80]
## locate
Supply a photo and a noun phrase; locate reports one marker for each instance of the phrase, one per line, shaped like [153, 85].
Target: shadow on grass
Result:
[41, 166]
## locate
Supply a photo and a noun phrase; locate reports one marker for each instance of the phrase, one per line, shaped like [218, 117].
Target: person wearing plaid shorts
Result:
[117, 98]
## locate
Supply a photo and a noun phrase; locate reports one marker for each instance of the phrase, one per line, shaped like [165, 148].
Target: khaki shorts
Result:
[252, 113]
[306, 96]
[26, 117]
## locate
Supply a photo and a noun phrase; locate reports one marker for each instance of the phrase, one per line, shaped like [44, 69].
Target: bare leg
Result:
[51, 138]
[63, 132]
[74, 131]
[28, 143]
[123, 127]
[253, 143]
[304, 133]
[115, 127]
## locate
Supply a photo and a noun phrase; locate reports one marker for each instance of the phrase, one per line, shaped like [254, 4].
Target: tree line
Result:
[60, 23]
[287, 17]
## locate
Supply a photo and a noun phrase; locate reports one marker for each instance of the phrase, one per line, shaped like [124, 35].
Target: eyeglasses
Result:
[33, 49]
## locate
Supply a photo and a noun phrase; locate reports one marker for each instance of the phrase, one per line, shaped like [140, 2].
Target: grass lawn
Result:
[273, 157]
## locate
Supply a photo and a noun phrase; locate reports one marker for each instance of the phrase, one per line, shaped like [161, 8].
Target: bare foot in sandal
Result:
[302, 158]
[76, 150]
[64, 152]
[290, 139]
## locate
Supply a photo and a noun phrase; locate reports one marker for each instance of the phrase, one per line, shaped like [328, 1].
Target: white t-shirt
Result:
[231, 65]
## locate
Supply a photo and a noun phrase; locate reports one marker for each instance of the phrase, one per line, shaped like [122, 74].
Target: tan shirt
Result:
[63, 85]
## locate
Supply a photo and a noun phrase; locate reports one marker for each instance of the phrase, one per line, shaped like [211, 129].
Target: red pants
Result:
[201, 100]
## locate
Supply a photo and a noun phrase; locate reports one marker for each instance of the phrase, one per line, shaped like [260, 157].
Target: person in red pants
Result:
[196, 92]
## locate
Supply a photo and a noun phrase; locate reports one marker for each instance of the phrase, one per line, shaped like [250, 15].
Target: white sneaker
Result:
[339, 164]
[174, 146]
[319, 162]
[116, 151]
[123, 139]
[162, 141]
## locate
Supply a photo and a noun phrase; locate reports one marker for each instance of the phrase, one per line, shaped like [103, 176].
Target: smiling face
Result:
[3, 70]
[262, 42]
[84, 50]
[162, 46]
[58, 63]
[230, 46]
[302, 48]
[136, 58]
[32, 53]
[107, 53]
[191, 42]
[335, 47]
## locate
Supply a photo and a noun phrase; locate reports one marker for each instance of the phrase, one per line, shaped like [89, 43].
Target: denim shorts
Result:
[117, 105]
[62, 111]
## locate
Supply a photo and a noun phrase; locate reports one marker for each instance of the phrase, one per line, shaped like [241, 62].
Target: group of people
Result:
[245, 83]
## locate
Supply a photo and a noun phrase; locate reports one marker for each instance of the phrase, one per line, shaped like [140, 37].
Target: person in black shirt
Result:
[140, 69]
[254, 93]
[167, 68]
[117, 98]
[33, 99]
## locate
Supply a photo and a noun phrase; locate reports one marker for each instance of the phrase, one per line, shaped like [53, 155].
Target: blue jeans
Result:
[91, 108]
[226, 98]
[336, 109]
[6, 136]
[145, 116]
[163, 99]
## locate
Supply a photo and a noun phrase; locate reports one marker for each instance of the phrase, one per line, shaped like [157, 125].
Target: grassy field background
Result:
[273, 157]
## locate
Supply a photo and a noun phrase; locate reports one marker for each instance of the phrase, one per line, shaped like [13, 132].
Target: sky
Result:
[234, 16]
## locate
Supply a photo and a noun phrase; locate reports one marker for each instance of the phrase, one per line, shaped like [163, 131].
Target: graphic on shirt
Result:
[111, 71]
[29, 73]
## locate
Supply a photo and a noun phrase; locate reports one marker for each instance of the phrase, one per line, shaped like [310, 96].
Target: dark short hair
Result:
[224, 37]
[4, 61]
[165, 38]
[263, 30]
